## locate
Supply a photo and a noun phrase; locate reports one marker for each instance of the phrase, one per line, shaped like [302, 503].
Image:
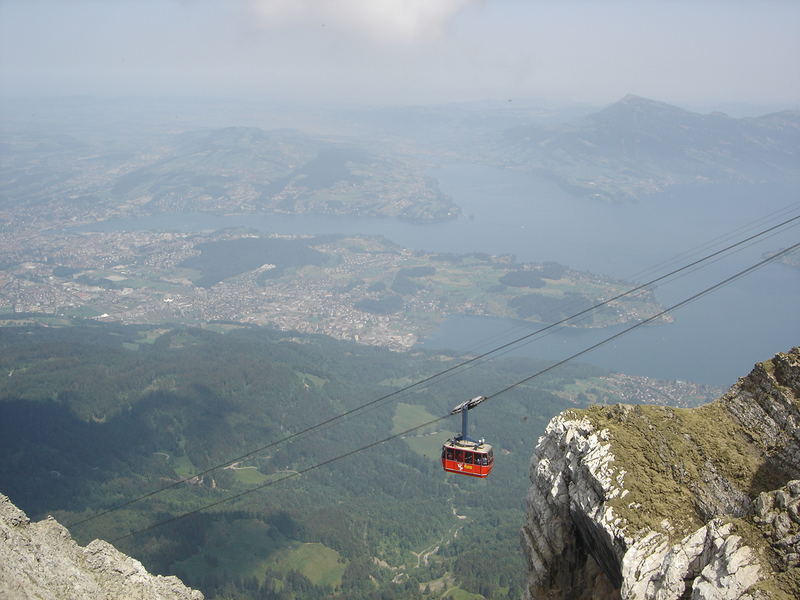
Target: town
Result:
[143, 277]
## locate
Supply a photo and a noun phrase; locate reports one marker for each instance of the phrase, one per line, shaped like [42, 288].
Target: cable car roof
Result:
[468, 404]
[460, 444]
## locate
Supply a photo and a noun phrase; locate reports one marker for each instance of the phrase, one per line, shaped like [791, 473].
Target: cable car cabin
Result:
[467, 457]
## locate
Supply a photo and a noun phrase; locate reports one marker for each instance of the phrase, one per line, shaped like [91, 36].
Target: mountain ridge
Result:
[637, 146]
[653, 502]
[41, 561]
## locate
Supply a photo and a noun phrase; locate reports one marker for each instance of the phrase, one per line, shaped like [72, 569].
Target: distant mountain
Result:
[223, 170]
[246, 169]
[638, 146]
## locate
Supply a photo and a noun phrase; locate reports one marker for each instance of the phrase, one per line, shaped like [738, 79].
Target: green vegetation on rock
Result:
[665, 451]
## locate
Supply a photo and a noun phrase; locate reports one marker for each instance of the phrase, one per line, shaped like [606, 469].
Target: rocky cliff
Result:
[658, 503]
[41, 561]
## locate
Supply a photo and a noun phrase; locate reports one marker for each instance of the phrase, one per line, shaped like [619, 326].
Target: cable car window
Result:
[468, 458]
[449, 454]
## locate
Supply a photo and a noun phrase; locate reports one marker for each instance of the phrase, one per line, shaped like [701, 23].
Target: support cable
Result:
[555, 365]
[430, 378]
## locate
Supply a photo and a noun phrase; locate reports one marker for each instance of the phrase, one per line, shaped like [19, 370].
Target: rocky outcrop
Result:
[658, 503]
[41, 561]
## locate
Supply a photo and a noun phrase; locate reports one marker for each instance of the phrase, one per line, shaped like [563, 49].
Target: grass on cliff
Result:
[781, 586]
[666, 454]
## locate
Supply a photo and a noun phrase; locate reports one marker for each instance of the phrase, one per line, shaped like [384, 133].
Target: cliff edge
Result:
[41, 561]
[659, 503]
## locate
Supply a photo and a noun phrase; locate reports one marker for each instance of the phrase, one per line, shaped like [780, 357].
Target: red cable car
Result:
[464, 455]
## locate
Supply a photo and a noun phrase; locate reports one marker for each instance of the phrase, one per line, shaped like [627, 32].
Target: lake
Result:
[713, 340]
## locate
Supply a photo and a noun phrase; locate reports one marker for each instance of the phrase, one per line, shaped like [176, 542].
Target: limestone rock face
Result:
[41, 561]
[657, 503]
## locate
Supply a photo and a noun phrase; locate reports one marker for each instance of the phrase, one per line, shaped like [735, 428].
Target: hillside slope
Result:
[653, 502]
[230, 170]
[636, 147]
[41, 560]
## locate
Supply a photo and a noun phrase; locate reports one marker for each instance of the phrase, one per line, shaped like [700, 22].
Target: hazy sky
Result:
[405, 51]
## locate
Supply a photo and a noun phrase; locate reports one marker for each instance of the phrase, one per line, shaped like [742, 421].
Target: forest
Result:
[94, 415]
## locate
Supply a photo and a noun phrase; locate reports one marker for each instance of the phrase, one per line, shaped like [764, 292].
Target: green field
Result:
[249, 476]
[407, 416]
[183, 466]
[320, 564]
[459, 594]
[83, 312]
[312, 380]
[427, 441]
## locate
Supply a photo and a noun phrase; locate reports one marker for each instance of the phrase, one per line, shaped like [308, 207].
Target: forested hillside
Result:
[94, 415]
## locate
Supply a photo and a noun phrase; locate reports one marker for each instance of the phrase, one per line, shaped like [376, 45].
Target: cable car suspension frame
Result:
[463, 454]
